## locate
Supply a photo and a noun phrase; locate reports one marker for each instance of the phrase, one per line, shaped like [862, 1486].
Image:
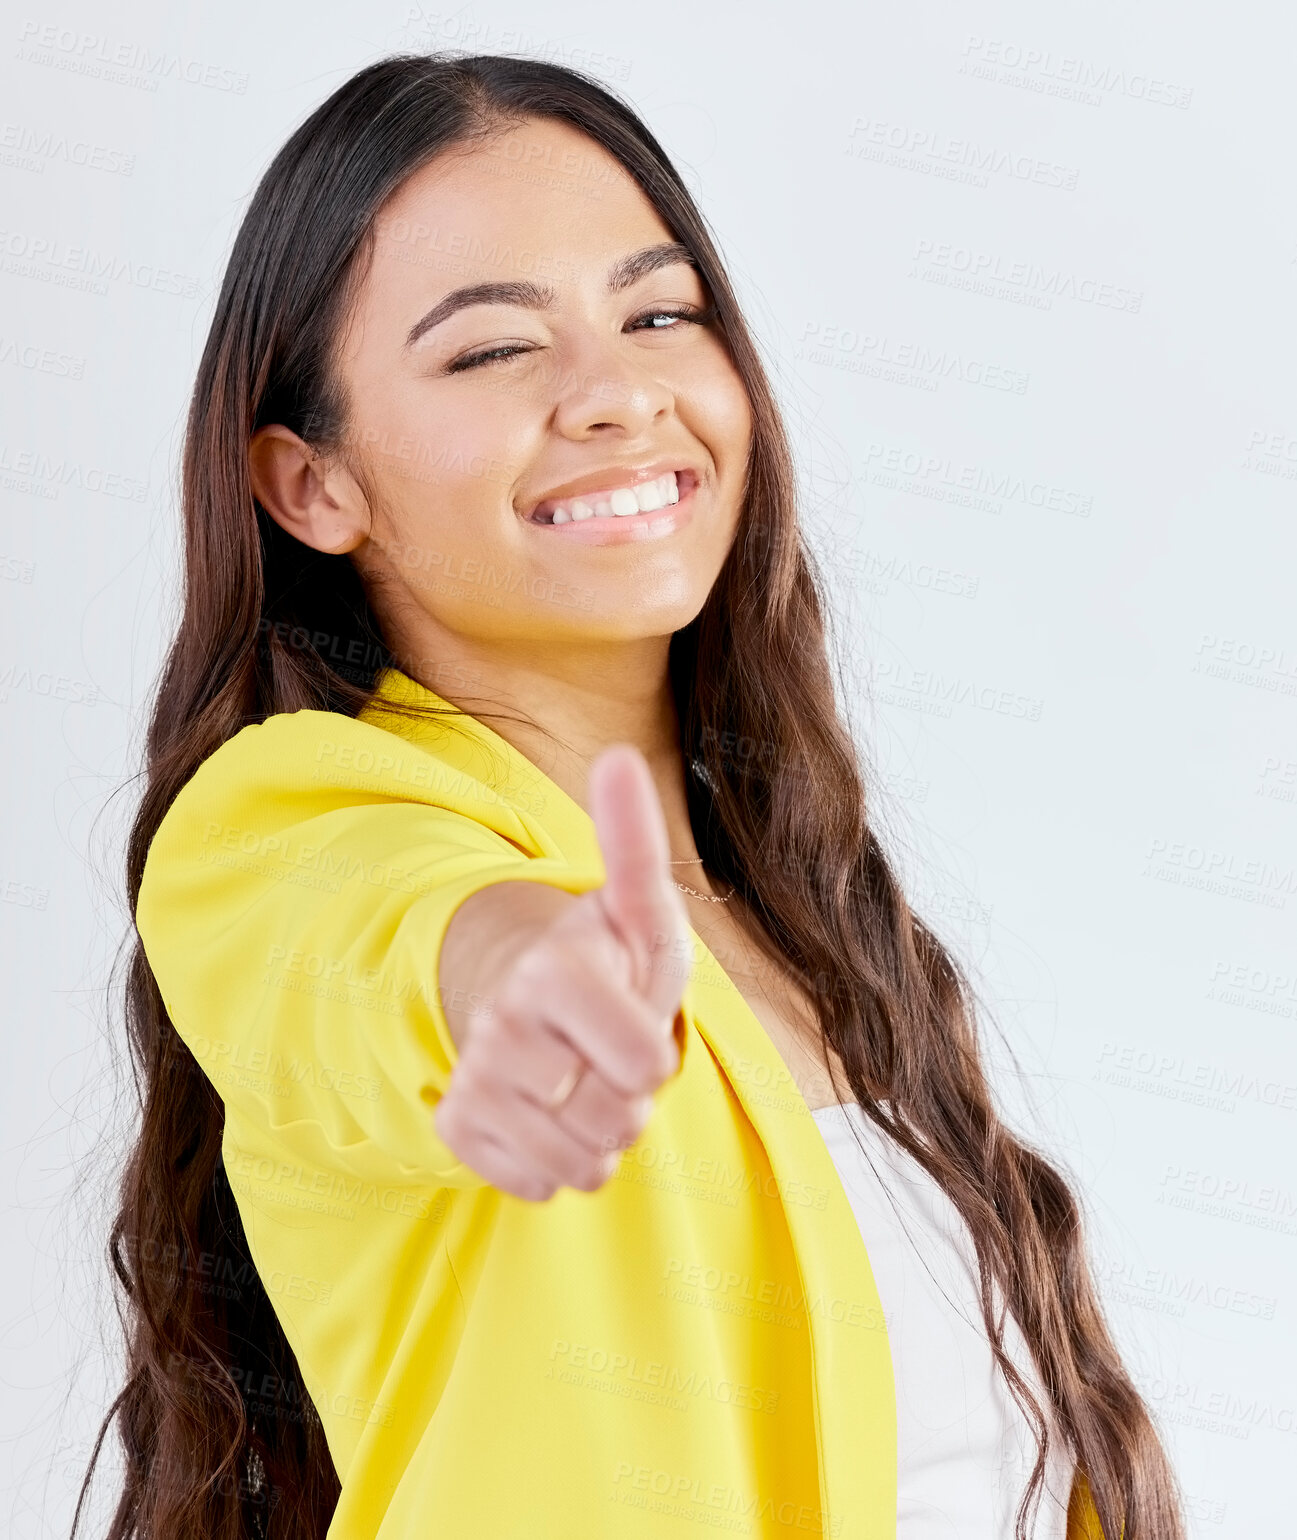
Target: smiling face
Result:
[590, 365]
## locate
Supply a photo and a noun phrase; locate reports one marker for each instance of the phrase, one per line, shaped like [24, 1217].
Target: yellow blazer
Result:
[699, 1343]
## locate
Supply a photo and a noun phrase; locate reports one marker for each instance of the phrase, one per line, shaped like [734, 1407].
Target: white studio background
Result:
[1026, 279]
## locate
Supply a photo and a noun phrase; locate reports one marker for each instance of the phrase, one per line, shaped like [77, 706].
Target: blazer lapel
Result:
[851, 1360]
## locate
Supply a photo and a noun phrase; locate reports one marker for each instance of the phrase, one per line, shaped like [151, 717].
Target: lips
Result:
[649, 524]
[617, 492]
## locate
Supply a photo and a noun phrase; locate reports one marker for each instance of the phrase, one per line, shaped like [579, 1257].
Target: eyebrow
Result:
[541, 296]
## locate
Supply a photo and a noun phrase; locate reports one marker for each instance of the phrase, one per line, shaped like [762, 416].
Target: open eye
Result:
[676, 313]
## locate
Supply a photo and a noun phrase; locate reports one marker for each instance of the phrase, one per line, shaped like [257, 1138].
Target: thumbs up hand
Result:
[551, 1087]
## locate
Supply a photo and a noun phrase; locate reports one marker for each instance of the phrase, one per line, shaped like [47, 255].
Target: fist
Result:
[587, 994]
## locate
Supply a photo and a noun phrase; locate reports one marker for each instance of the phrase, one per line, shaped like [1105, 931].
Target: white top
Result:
[964, 1448]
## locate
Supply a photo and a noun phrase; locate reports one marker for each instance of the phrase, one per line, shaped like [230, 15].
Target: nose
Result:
[604, 385]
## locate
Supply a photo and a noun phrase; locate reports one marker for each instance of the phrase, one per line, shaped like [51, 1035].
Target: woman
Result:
[576, 1223]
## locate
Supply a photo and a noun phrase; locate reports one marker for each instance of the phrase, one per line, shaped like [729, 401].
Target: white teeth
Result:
[647, 497]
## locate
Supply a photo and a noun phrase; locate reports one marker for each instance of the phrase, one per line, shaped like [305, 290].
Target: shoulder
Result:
[309, 748]
[296, 765]
[320, 780]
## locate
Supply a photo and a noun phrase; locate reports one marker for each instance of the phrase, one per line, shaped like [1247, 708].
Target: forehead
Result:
[539, 200]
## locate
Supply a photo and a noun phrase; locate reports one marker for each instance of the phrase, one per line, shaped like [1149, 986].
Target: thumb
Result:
[638, 895]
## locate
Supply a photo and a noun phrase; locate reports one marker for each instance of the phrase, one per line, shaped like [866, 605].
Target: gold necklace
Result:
[707, 898]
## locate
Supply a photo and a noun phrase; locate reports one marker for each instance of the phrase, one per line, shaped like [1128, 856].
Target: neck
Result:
[581, 699]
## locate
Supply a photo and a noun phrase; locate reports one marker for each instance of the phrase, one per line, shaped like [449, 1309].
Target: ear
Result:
[317, 502]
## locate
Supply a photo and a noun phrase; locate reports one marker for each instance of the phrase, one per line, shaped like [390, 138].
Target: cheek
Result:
[724, 425]
[721, 410]
[451, 465]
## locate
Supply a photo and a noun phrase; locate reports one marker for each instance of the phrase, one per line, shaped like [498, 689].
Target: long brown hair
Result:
[777, 800]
